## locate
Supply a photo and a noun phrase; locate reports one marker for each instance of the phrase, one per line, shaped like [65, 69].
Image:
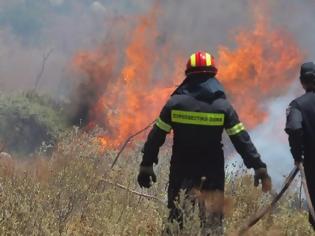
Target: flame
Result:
[128, 100]
[262, 66]
[126, 95]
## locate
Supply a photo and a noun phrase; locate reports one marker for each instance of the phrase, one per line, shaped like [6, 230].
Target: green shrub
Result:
[29, 120]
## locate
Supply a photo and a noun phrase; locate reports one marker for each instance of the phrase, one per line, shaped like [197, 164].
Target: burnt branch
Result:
[42, 70]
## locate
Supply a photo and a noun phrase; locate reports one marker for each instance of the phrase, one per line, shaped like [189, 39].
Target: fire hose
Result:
[254, 219]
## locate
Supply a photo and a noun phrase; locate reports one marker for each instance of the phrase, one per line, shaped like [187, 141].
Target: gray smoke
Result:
[29, 29]
[270, 138]
[209, 24]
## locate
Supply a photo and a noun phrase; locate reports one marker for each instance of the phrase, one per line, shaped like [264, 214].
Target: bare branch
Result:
[42, 70]
[128, 140]
[134, 192]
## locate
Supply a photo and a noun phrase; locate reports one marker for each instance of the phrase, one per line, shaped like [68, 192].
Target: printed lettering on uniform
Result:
[197, 118]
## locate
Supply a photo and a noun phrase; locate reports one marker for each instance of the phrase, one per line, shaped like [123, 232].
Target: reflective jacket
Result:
[198, 112]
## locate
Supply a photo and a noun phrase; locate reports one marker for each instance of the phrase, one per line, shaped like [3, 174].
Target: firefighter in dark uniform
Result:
[300, 127]
[198, 112]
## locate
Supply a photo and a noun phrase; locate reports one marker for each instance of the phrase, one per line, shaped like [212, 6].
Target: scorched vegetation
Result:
[74, 192]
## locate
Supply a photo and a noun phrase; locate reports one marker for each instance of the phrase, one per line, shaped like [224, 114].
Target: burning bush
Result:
[128, 82]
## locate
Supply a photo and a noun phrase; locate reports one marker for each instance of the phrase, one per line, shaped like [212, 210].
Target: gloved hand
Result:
[261, 175]
[146, 176]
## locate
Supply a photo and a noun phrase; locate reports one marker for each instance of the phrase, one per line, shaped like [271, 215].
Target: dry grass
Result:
[65, 195]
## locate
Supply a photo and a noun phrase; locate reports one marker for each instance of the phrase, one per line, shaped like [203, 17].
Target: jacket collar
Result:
[206, 89]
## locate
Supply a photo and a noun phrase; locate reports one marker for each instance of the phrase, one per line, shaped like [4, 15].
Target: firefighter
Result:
[198, 112]
[300, 127]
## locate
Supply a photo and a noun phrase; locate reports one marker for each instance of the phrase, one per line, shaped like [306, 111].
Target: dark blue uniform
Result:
[300, 127]
[198, 112]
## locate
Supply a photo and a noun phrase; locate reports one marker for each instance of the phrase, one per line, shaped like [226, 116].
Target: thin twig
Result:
[42, 70]
[128, 140]
[133, 191]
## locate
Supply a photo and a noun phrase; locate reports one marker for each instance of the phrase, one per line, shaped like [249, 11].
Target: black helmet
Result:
[307, 73]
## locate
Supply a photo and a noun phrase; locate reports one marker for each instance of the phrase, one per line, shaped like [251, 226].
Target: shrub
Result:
[27, 120]
[75, 193]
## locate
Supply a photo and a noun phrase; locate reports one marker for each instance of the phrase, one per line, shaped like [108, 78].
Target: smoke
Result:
[270, 139]
[56, 2]
[202, 24]
[124, 75]
[297, 16]
[226, 18]
[31, 28]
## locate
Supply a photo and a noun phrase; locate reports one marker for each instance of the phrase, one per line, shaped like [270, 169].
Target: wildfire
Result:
[125, 95]
[262, 66]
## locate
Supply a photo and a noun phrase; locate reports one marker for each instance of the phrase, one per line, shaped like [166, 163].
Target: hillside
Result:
[74, 192]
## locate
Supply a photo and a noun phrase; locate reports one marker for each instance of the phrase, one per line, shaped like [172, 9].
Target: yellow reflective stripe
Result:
[235, 129]
[162, 125]
[193, 60]
[197, 118]
[208, 59]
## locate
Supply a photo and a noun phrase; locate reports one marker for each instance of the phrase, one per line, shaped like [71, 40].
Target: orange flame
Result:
[129, 96]
[262, 66]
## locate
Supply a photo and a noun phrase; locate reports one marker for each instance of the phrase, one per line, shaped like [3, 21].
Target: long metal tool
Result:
[254, 219]
[307, 194]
